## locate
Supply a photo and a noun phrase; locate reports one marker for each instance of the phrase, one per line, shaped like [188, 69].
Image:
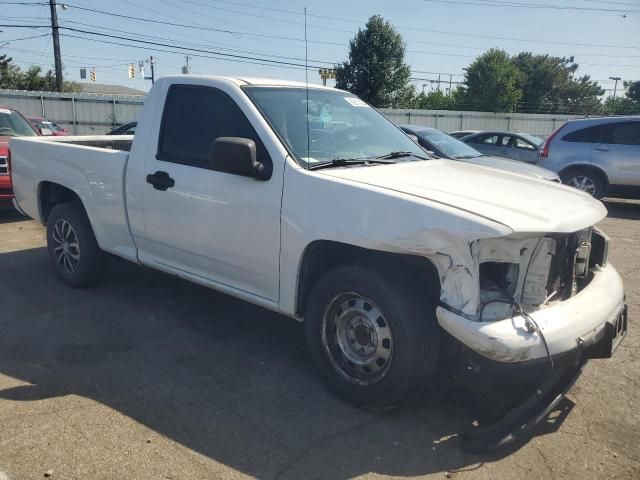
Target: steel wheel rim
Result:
[357, 338]
[584, 183]
[66, 246]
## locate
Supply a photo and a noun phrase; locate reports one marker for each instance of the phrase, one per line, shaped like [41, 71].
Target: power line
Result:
[209, 45]
[25, 38]
[346, 20]
[195, 27]
[496, 3]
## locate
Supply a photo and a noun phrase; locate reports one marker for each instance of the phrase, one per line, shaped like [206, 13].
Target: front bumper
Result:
[568, 326]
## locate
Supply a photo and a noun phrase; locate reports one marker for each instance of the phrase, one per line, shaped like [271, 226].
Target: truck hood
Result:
[513, 166]
[520, 202]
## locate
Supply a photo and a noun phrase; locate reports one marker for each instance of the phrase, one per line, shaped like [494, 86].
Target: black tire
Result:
[573, 177]
[88, 268]
[408, 316]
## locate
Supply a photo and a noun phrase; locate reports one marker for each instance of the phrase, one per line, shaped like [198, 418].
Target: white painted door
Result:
[217, 226]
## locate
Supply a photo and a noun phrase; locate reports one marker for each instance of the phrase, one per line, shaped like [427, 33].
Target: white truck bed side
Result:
[96, 175]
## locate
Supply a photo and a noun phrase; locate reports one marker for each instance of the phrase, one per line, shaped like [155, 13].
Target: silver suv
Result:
[598, 155]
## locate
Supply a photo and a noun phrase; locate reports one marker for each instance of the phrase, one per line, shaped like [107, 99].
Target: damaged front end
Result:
[543, 305]
[527, 297]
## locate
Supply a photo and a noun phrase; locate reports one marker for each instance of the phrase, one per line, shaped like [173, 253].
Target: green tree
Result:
[548, 85]
[4, 61]
[620, 106]
[14, 78]
[633, 91]
[491, 83]
[376, 70]
[435, 100]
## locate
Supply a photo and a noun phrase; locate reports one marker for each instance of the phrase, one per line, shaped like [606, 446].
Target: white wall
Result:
[449, 121]
[81, 113]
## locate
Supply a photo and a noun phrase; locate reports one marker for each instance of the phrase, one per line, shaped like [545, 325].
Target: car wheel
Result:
[73, 250]
[372, 337]
[586, 180]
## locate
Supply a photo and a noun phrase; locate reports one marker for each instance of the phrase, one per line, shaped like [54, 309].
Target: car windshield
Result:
[340, 126]
[451, 147]
[535, 140]
[13, 125]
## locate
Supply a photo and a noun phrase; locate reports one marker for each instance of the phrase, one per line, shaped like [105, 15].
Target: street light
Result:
[615, 86]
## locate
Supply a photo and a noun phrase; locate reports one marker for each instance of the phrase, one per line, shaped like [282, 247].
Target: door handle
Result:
[601, 149]
[160, 180]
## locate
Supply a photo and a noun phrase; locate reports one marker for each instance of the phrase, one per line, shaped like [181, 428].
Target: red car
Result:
[12, 124]
[45, 126]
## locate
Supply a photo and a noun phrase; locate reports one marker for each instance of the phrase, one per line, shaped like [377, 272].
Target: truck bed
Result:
[92, 167]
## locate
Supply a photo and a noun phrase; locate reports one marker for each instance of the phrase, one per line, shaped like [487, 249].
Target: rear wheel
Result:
[586, 180]
[73, 250]
[372, 337]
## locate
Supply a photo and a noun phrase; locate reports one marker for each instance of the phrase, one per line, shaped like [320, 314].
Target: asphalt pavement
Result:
[149, 376]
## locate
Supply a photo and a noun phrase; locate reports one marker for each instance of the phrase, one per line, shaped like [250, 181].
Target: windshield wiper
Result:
[341, 162]
[400, 154]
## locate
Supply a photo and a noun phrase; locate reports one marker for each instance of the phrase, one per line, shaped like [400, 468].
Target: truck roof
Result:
[243, 81]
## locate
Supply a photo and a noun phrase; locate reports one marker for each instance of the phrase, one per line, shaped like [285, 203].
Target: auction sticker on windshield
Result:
[356, 102]
[4, 110]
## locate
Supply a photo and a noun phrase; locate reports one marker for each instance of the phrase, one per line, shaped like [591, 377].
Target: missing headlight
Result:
[499, 277]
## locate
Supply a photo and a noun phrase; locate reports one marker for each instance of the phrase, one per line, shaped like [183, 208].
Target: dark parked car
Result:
[517, 146]
[445, 146]
[126, 129]
[463, 133]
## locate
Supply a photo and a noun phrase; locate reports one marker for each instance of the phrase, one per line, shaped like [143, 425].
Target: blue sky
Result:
[442, 36]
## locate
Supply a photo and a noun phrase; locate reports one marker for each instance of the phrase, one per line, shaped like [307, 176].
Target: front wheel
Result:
[372, 337]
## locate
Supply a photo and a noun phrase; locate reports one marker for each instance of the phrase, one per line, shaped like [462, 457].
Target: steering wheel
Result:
[7, 131]
[341, 139]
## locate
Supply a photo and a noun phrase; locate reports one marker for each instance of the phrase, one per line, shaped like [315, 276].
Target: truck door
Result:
[216, 227]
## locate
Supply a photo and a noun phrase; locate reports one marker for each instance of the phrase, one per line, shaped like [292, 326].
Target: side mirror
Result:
[236, 156]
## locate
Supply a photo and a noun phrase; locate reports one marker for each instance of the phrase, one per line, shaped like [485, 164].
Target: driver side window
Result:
[194, 116]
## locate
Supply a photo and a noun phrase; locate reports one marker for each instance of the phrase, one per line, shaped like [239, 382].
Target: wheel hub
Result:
[357, 339]
[66, 246]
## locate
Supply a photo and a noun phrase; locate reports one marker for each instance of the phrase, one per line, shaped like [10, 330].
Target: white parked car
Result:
[334, 219]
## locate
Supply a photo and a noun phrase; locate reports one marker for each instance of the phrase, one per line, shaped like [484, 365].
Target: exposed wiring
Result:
[530, 323]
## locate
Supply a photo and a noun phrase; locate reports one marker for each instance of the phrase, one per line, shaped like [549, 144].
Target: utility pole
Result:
[615, 86]
[56, 44]
[438, 82]
[450, 82]
[153, 76]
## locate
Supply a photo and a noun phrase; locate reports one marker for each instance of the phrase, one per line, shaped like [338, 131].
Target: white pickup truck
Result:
[306, 201]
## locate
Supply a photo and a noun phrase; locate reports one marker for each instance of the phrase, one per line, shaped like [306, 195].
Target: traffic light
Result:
[92, 74]
[132, 71]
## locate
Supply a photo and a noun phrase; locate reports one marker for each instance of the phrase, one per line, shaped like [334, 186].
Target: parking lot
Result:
[148, 376]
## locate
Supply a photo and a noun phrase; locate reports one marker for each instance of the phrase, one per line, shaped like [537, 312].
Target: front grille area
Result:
[563, 281]
[4, 167]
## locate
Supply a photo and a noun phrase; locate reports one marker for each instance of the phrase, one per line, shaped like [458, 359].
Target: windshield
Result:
[13, 125]
[535, 140]
[341, 126]
[451, 147]
[50, 125]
